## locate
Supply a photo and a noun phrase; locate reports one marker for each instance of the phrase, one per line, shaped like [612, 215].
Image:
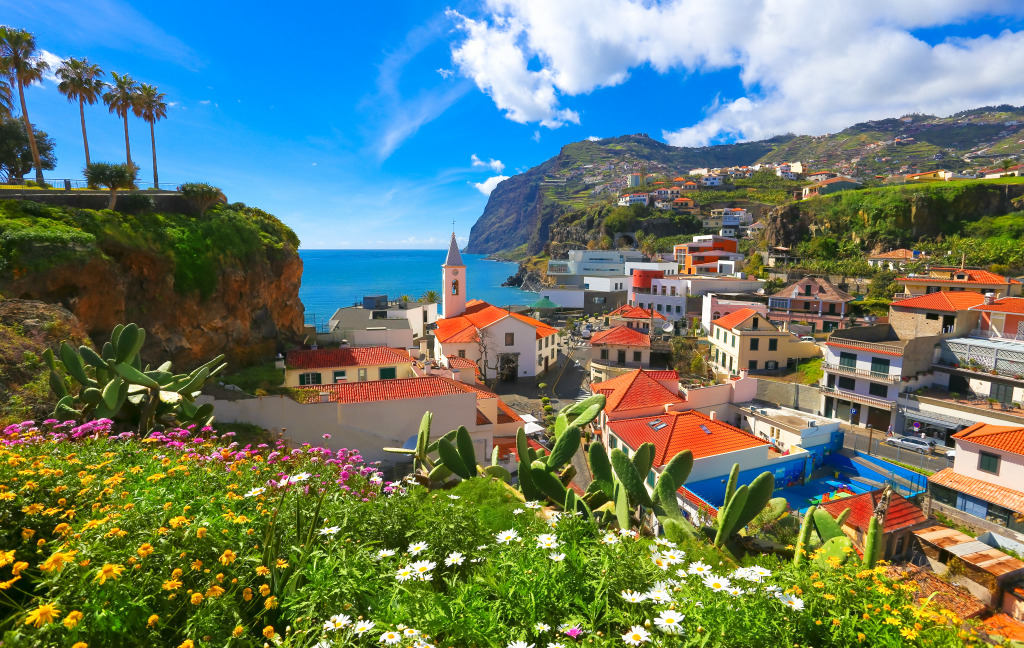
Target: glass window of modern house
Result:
[311, 378]
[879, 390]
[880, 366]
[848, 360]
[845, 382]
[988, 462]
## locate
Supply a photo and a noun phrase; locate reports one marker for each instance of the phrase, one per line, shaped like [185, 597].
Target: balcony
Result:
[900, 296]
[989, 334]
[889, 349]
[995, 356]
[880, 403]
[862, 373]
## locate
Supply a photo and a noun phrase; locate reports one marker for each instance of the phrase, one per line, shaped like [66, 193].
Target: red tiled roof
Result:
[734, 318]
[1005, 626]
[478, 315]
[833, 181]
[973, 276]
[701, 505]
[1005, 497]
[946, 301]
[901, 254]
[1004, 305]
[902, 514]
[663, 374]
[346, 357]
[505, 413]
[634, 312]
[860, 348]
[455, 362]
[822, 290]
[943, 595]
[621, 336]
[481, 418]
[1001, 437]
[513, 450]
[384, 390]
[684, 431]
[634, 390]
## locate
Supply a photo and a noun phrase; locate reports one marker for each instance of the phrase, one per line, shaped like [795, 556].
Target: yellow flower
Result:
[108, 571]
[176, 573]
[908, 633]
[264, 589]
[282, 563]
[861, 636]
[819, 584]
[32, 509]
[56, 561]
[270, 603]
[828, 597]
[26, 534]
[262, 571]
[197, 598]
[42, 615]
[268, 632]
[6, 585]
[237, 632]
[153, 619]
[72, 619]
[197, 565]
[247, 594]
[171, 584]
[145, 550]
[178, 521]
[6, 557]
[188, 643]
[62, 529]
[214, 591]
[79, 644]
[201, 532]
[227, 557]
[836, 622]
[892, 621]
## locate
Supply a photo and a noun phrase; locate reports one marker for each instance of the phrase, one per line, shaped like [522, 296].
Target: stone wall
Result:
[170, 201]
[799, 397]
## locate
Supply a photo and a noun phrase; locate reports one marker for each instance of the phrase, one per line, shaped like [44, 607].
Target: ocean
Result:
[335, 278]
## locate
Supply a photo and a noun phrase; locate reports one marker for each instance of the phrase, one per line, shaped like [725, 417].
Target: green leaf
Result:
[565, 447]
[110, 392]
[57, 385]
[644, 458]
[729, 514]
[133, 375]
[74, 365]
[630, 478]
[451, 458]
[600, 466]
[464, 443]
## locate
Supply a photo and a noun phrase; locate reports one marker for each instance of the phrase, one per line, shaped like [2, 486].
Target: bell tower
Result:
[453, 294]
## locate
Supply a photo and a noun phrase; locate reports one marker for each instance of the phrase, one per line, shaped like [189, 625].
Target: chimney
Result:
[744, 373]
[325, 397]
[714, 415]
[989, 298]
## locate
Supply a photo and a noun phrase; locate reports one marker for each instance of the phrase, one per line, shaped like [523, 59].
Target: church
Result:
[503, 344]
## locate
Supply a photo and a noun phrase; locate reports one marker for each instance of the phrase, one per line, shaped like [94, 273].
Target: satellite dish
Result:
[667, 327]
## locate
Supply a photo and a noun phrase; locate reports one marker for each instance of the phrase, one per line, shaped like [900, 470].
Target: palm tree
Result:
[112, 176]
[80, 81]
[6, 102]
[120, 99]
[20, 63]
[430, 296]
[150, 105]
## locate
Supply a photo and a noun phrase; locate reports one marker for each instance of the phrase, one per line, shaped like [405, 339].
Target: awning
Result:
[934, 418]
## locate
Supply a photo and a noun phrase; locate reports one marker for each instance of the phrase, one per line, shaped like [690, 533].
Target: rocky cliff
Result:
[226, 283]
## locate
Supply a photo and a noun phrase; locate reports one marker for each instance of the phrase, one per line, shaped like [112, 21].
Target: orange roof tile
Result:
[505, 413]
[822, 289]
[701, 505]
[621, 336]
[902, 514]
[901, 254]
[946, 301]
[455, 362]
[634, 312]
[1005, 497]
[1001, 437]
[478, 315]
[881, 350]
[973, 276]
[943, 595]
[634, 390]
[384, 390]
[663, 374]
[734, 318]
[690, 430]
[1005, 626]
[345, 357]
[1004, 305]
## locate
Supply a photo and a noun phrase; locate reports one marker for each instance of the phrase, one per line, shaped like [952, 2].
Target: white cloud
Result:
[488, 185]
[536, 136]
[593, 138]
[805, 66]
[497, 165]
[445, 73]
[204, 102]
[54, 62]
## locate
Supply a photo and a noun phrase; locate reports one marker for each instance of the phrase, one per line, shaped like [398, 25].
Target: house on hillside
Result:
[304, 367]
[957, 279]
[829, 186]
[813, 300]
[618, 350]
[635, 317]
[902, 518]
[896, 259]
[746, 340]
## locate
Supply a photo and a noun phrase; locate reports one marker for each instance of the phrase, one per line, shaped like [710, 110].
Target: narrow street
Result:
[857, 439]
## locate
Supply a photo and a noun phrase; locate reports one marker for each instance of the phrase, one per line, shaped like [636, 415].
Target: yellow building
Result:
[348, 364]
[744, 339]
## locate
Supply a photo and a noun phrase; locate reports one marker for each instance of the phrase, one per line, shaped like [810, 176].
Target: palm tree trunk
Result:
[31, 135]
[85, 138]
[127, 146]
[152, 139]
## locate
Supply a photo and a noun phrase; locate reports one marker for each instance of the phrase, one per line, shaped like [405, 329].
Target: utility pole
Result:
[871, 435]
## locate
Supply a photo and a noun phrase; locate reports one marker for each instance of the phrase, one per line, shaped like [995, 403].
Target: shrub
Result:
[135, 203]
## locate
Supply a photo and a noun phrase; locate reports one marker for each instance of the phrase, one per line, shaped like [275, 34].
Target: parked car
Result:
[951, 454]
[807, 338]
[924, 446]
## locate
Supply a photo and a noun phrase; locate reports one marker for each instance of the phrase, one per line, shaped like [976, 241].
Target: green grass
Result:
[810, 371]
[265, 376]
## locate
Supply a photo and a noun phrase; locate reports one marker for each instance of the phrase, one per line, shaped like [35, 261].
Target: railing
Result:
[996, 335]
[70, 184]
[853, 371]
[899, 296]
[872, 346]
[859, 398]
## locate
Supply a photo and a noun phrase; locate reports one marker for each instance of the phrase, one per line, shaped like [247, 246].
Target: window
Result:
[462, 353]
[388, 372]
[943, 495]
[677, 308]
[312, 378]
[831, 309]
[339, 376]
[651, 478]
[807, 305]
[754, 344]
[931, 316]
[998, 514]
[773, 344]
[612, 442]
[881, 391]
[849, 360]
[547, 341]
[599, 300]
[807, 290]
[637, 356]
[621, 357]
[604, 354]
[753, 324]
[1001, 393]
[455, 287]
[845, 382]
[362, 375]
[510, 339]
[734, 339]
[540, 359]
[989, 463]
[771, 364]
[880, 366]
[752, 365]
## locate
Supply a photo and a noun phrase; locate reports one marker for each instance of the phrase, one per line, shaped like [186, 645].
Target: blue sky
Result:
[373, 126]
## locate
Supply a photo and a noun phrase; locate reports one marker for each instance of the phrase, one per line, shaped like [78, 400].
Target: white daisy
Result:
[519, 644]
[735, 591]
[668, 622]
[532, 504]
[454, 558]
[557, 557]
[454, 497]
[337, 622]
[376, 478]
[609, 539]
[330, 530]
[633, 597]
[404, 574]
[664, 542]
[673, 556]
[555, 644]
[481, 547]
[363, 627]
[658, 595]
[385, 553]
[417, 548]
[256, 491]
[636, 636]
[541, 627]
[547, 541]
[791, 601]
[422, 568]
[517, 511]
[506, 537]
[660, 561]
[700, 568]
[625, 532]
[717, 583]
[301, 477]
[390, 638]
[411, 632]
